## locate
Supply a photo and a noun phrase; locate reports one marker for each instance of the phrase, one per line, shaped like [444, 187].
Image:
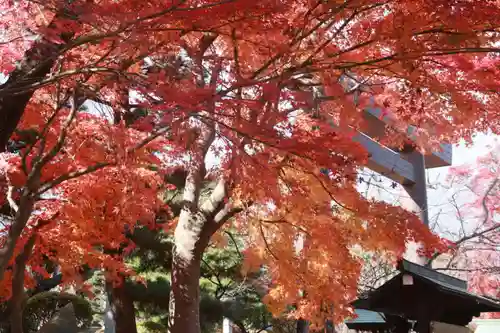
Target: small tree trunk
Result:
[18, 293]
[329, 327]
[109, 321]
[122, 307]
[302, 326]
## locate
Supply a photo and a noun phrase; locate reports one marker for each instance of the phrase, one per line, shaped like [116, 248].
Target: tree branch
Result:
[485, 219]
[213, 202]
[75, 174]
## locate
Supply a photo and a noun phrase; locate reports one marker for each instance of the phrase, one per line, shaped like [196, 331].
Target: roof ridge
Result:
[408, 266]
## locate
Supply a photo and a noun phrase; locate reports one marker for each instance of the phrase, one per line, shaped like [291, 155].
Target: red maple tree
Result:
[244, 85]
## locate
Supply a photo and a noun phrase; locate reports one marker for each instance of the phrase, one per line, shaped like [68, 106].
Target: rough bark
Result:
[190, 239]
[122, 307]
[196, 224]
[184, 302]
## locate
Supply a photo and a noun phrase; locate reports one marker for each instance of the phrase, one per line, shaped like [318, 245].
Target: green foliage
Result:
[224, 291]
[151, 326]
[42, 307]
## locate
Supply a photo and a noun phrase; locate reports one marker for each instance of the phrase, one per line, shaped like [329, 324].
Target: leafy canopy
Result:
[238, 91]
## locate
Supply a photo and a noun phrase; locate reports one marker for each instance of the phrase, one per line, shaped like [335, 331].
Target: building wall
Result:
[486, 325]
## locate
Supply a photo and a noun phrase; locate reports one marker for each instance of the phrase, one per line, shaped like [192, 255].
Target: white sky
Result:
[439, 199]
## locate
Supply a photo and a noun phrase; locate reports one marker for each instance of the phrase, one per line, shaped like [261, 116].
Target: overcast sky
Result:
[439, 199]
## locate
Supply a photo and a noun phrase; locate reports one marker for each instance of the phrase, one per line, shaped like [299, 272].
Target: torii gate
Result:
[403, 167]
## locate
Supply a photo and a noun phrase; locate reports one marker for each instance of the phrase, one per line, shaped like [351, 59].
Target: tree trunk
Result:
[122, 307]
[329, 327]
[184, 303]
[194, 228]
[109, 321]
[302, 326]
[191, 237]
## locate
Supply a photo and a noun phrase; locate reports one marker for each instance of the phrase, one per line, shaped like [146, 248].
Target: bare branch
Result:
[234, 242]
[68, 176]
[213, 202]
[268, 248]
[479, 233]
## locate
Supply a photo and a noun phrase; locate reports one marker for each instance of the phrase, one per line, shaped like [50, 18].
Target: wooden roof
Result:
[427, 294]
[366, 320]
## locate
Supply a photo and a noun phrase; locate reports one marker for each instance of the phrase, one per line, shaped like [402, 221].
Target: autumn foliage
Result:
[262, 98]
[84, 192]
[476, 256]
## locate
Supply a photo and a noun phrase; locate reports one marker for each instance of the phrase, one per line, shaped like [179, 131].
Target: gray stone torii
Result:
[405, 168]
